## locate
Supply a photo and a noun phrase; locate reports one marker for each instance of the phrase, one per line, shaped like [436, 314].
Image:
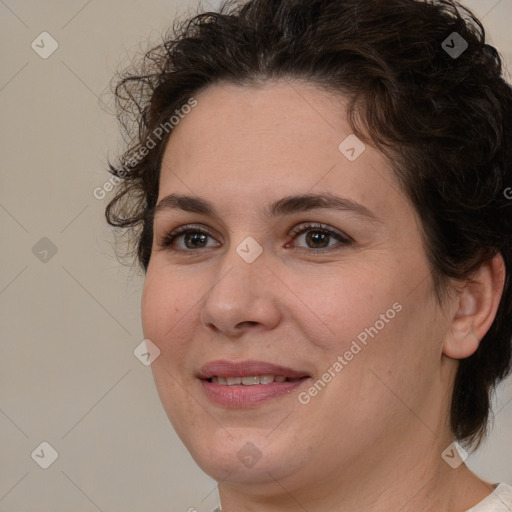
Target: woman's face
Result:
[260, 281]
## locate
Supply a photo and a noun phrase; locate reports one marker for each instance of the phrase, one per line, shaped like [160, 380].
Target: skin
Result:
[372, 438]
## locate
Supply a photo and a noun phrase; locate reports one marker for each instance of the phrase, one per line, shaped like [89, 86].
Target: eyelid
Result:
[311, 226]
[343, 238]
[170, 236]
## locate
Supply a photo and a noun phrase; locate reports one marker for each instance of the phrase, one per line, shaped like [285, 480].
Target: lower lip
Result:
[245, 396]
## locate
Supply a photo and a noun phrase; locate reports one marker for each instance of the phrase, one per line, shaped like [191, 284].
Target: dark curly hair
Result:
[443, 119]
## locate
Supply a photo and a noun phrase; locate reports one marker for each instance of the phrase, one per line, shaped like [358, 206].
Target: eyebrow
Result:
[284, 206]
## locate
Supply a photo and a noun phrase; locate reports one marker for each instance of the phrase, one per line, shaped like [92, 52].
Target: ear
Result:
[476, 309]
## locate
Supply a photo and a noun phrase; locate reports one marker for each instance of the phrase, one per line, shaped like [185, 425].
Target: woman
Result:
[317, 193]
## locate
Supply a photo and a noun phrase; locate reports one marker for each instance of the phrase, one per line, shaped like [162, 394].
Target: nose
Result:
[242, 296]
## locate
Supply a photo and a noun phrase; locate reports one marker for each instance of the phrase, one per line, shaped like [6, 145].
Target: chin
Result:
[245, 457]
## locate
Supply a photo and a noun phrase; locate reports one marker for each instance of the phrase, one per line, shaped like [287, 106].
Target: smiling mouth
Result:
[252, 380]
[249, 391]
[249, 383]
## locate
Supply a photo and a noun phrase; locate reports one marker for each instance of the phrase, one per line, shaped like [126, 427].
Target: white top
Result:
[498, 501]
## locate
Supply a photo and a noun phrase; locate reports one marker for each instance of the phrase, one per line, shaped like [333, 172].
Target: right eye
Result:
[193, 238]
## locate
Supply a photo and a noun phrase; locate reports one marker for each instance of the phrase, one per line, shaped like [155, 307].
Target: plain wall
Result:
[69, 324]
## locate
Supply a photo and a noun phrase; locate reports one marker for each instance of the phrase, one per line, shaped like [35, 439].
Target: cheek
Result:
[169, 310]
[377, 381]
[165, 313]
[353, 301]
[161, 306]
[401, 363]
[377, 324]
[151, 305]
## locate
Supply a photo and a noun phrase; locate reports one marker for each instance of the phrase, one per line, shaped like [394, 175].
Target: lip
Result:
[246, 396]
[225, 368]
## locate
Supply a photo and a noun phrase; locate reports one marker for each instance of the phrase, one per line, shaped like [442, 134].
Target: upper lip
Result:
[225, 368]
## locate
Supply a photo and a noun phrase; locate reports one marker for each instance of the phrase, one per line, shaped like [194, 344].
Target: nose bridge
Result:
[240, 268]
[237, 294]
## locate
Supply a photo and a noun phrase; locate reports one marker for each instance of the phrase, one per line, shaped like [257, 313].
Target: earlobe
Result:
[462, 340]
[476, 309]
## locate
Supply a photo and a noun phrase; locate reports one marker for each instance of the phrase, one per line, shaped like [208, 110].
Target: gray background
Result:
[69, 325]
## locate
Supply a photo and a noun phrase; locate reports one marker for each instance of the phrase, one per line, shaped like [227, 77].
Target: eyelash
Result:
[345, 240]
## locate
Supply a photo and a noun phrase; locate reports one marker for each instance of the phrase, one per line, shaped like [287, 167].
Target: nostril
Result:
[248, 322]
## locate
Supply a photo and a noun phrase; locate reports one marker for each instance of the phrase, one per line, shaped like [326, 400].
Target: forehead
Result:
[265, 121]
[273, 140]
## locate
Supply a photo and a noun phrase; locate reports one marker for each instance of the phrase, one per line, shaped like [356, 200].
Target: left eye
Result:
[315, 236]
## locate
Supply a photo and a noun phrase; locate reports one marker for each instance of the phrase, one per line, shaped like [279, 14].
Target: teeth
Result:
[248, 381]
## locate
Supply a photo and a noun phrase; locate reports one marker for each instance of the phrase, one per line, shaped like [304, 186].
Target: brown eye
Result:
[193, 238]
[318, 236]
